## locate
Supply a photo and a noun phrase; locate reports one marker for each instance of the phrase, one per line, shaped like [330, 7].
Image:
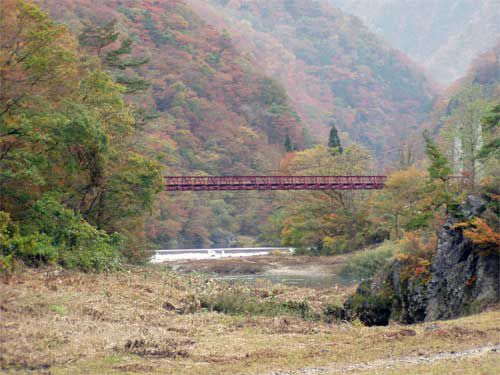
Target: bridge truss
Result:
[218, 183]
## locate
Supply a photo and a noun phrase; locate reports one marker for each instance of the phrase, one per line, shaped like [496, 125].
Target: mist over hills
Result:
[442, 35]
[335, 70]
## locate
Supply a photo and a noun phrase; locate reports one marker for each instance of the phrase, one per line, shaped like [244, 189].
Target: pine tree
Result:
[440, 171]
[288, 143]
[440, 167]
[334, 141]
[97, 38]
[491, 126]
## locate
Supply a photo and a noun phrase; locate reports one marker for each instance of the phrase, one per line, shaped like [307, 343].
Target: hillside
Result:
[458, 118]
[444, 35]
[481, 81]
[214, 114]
[485, 72]
[335, 70]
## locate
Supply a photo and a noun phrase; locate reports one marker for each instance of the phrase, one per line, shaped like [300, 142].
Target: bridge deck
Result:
[211, 183]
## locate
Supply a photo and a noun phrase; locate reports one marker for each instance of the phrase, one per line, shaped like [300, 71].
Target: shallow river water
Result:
[302, 280]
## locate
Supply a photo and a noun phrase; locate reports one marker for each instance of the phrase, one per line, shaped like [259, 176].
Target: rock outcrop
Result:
[462, 280]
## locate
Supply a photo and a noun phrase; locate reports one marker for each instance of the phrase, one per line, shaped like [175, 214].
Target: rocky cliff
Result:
[462, 279]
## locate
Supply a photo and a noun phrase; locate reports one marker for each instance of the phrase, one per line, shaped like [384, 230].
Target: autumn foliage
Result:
[481, 234]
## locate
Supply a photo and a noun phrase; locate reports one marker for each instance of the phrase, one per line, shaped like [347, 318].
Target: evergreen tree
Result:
[96, 38]
[288, 143]
[491, 127]
[439, 172]
[440, 167]
[334, 141]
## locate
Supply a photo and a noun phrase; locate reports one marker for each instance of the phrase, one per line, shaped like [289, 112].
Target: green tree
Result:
[324, 221]
[100, 40]
[334, 141]
[439, 172]
[38, 67]
[463, 132]
[288, 143]
[439, 167]
[404, 204]
[491, 129]
[66, 131]
[99, 37]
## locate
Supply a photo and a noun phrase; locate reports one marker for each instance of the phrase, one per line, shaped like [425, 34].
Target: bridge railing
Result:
[193, 183]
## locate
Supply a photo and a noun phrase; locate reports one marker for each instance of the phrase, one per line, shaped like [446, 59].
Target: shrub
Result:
[56, 234]
[417, 250]
[372, 308]
[367, 263]
[33, 250]
[333, 313]
[240, 303]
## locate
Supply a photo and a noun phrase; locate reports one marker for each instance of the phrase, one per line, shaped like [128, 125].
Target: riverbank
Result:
[152, 320]
[263, 264]
[303, 271]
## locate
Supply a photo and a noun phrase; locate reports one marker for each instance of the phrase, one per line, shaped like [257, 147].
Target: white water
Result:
[200, 254]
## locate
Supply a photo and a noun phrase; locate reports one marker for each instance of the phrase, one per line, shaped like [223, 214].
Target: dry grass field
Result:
[152, 320]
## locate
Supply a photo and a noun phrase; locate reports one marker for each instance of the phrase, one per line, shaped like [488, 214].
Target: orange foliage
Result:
[481, 234]
[417, 256]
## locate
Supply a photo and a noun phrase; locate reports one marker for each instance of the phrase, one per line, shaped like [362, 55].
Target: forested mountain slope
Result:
[458, 113]
[213, 113]
[334, 69]
[481, 80]
[442, 35]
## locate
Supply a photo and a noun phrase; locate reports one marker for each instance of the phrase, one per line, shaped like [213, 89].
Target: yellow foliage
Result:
[460, 225]
[329, 242]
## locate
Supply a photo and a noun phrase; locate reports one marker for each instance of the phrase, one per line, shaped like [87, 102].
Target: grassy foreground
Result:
[151, 320]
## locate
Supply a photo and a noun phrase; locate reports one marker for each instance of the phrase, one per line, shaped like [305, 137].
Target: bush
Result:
[366, 264]
[371, 308]
[55, 234]
[240, 303]
[333, 313]
[34, 250]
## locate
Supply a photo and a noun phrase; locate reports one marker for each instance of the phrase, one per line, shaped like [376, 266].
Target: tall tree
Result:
[403, 205]
[66, 130]
[439, 167]
[439, 172]
[463, 131]
[491, 128]
[288, 143]
[326, 221]
[38, 70]
[334, 141]
[100, 40]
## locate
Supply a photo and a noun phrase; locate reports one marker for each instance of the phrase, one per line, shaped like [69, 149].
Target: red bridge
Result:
[211, 183]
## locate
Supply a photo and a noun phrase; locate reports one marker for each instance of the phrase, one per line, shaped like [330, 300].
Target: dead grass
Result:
[147, 320]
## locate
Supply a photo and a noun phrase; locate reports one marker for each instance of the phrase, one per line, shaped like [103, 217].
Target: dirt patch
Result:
[151, 348]
[456, 332]
[134, 367]
[394, 363]
[399, 334]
